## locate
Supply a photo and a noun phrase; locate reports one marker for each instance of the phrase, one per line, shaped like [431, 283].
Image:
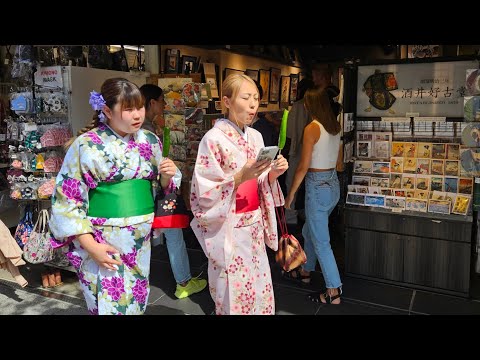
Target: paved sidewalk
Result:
[361, 297]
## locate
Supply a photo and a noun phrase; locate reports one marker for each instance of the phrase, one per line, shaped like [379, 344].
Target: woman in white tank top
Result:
[321, 147]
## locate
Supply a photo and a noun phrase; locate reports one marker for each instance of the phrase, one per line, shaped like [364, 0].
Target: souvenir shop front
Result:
[411, 133]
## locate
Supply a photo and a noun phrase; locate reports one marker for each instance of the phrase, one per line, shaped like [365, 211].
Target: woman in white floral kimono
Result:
[232, 199]
[102, 207]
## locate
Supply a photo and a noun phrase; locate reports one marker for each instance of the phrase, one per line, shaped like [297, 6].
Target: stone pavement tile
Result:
[291, 301]
[21, 302]
[437, 304]
[196, 304]
[348, 307]
[162, 310]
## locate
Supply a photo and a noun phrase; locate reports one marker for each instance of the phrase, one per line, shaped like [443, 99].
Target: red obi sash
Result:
[247, 196]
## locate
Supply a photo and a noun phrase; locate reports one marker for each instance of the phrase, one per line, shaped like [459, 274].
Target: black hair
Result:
[149, 92]
[304, 85]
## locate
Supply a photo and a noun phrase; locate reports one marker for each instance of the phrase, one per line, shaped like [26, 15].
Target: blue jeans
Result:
[321, 196]
[177, 252]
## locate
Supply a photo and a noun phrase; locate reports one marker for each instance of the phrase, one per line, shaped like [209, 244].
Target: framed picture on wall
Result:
[188, 64]
[285, 90]
[229, 71]
[293, 87]
[264, 80]
[253, 74]
[172, 61]
[210, 72]
[274, 85]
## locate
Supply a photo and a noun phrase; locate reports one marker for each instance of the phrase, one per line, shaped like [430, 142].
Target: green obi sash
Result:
[121, 199]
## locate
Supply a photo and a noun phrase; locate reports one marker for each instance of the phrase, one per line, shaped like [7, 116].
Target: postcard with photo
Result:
[361, 189]
[408, 181]
[410, 165]
[450, 184]
[452, 167]
[437, 166]
[348, 152]
[465, 186]
[462, 204]
[175, 122]
[439, 206]
[398, 149]
[422, 183]
[375, 190]
[436, 183]
[351, 188]
[423, 166]
[375, 200]
[410, 193]
[348, 123]
[364, 136]
[416, 205]
[396, 181]
[177, 138]
[361, 180]
[364, 149]
[422, 194]
[410, 150]
[362, 167]
[382, 136]
[438, 151]
[355, 199]
[424, 150]
[396, 165]
[452, 197]
[178, 152]
[400, 193]
[388, 192]
[437, 195]
[195, 133]
[383, 182]
[382, 149]
[453, 151]
[192, 149]
[193, 116]
[470, 162]
[394, 202]
[381, 167]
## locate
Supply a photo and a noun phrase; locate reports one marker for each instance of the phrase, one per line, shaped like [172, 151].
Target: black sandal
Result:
[298, 277]
[315, 297]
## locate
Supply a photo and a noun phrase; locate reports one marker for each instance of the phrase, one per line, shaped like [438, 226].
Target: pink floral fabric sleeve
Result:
[70, 200]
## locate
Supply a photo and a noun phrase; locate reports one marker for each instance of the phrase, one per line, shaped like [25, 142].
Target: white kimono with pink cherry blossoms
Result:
[238, 269]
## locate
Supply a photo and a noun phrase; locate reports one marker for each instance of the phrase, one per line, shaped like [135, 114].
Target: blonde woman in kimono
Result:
[232, 200]
[103, 208]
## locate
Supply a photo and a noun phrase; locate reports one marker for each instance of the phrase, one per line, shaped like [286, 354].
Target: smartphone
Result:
[268, 152]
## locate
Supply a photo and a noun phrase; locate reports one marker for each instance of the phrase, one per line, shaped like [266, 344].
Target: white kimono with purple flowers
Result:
[101, 155]
[238, 268]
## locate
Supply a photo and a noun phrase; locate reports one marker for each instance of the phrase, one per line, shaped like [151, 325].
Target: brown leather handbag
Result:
[290, 254]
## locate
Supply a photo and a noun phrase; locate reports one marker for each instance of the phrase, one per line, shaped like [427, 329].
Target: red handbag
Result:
[290, 254]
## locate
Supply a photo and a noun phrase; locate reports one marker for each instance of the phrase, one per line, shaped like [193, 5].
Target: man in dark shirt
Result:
[264, 126]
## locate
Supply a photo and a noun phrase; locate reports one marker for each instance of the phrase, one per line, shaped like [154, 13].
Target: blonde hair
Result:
[317, 103]
[231, 87]
[114, 91]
